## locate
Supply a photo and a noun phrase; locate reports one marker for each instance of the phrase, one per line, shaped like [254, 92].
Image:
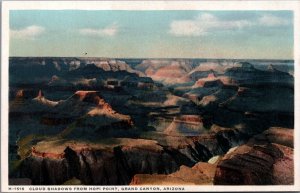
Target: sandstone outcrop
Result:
[200, 174]
[264, 160]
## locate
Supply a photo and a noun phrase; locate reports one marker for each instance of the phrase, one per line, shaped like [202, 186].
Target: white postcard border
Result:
[146, 5]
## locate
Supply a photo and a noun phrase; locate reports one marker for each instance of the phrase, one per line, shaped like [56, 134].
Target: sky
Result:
[152, 34]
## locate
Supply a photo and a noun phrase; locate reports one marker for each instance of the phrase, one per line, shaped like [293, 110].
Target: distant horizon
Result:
[104, 57]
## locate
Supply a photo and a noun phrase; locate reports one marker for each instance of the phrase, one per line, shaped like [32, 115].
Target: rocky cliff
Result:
[116, 165]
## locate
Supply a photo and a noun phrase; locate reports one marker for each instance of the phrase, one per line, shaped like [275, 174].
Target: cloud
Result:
[30, 32]
[273, 21]
[186, 28]
[110, 30]
[205, 23]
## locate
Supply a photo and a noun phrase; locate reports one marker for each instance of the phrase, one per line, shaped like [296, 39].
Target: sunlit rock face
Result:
[264, 160]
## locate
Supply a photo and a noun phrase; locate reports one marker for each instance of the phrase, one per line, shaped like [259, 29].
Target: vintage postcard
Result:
[149, 96]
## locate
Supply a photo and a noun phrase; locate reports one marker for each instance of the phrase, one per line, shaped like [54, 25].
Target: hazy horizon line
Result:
[105, 57]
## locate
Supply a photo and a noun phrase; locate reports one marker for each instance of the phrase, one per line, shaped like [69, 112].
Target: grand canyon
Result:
[120, 121]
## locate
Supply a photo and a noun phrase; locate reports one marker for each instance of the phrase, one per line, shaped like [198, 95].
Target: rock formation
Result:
[262, 161]
[103, 121]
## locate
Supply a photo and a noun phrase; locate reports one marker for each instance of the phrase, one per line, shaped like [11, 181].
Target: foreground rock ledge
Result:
[269, 164]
